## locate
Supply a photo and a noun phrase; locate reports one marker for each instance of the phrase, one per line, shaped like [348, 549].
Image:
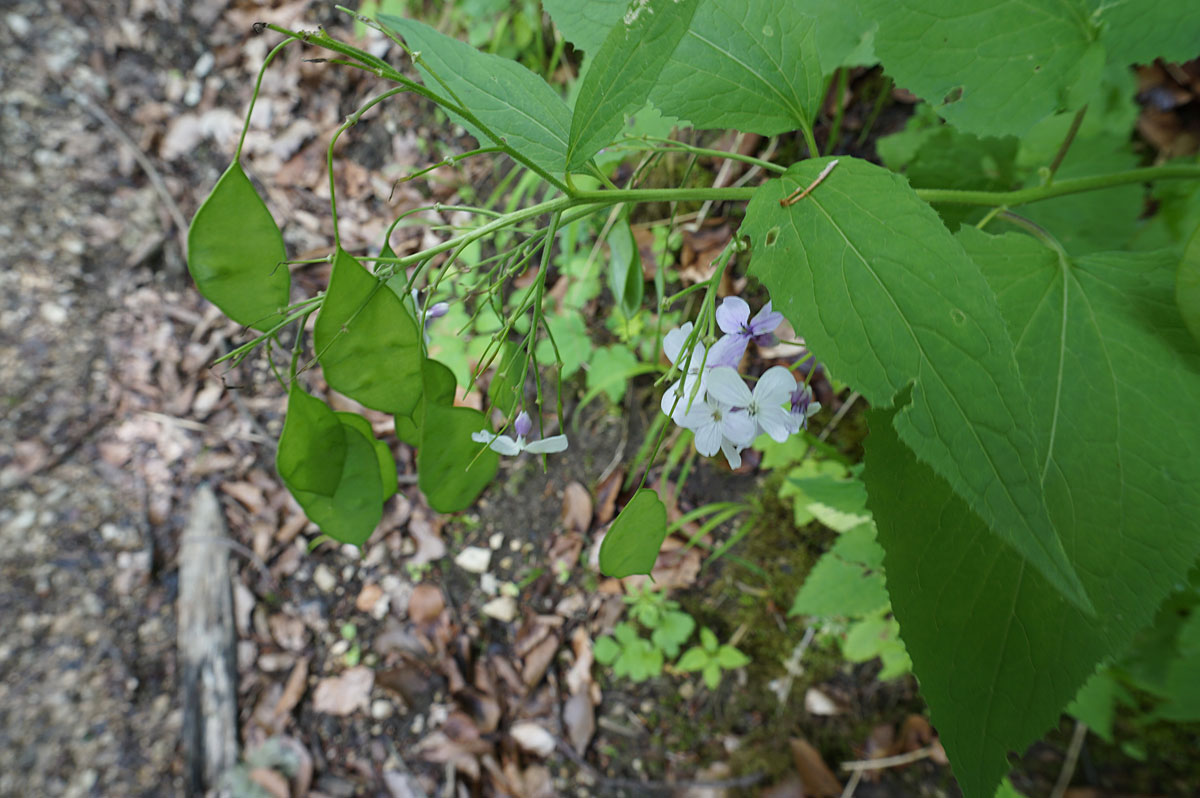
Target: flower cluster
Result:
[503, 444]
[713, 401]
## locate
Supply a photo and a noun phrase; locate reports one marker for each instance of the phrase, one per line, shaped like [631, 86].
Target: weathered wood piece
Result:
[207, 647]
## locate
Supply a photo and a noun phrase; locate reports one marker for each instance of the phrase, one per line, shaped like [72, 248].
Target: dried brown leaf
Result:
[344, 694]
[426, 603]
[579, 717]
[576, 508]
[819, 780]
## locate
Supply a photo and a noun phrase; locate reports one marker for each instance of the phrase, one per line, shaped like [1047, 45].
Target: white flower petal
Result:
[726, 386]
[732, 452]
[555, 443]
[506, 445]
[813, 409]
[774, 387]
[698, 416]
[483, 436]
[676, 398]
[674, 339]
[737, 426]
[708, 438]
[776, 422]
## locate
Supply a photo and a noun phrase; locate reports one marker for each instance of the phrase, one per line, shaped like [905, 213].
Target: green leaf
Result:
[367, 342]
[623, 71]
[712, 675]
[520, 108]
[1094, 220]
[708, 640]
[236, 254]
[1095, 703]
[351, 514]
[632, 543]
[312, 447]
[606, 650]
[452, 469]
[887, 298]
[693, 659]
[574, 344]
[1187, 286]
[387, 463]
[1141, 32]
[840, 584]
[585, 25]
[991, 67]
[729, 658]
[674, 629]
[997, 650]
[610, 369]
[746, 66]
[507, 388]
[625, 269]
[438, 388]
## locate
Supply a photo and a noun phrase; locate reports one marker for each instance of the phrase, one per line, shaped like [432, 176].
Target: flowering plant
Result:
[1021, 468]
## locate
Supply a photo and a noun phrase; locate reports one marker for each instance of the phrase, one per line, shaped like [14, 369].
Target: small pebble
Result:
[381, 709]
[324, 579]
[474, 559]
[502, 609]
[496, 541]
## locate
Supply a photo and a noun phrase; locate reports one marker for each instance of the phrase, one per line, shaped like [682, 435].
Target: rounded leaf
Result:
[632, 543]
[236, 253]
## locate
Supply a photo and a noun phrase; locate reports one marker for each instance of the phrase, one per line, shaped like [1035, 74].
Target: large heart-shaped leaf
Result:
[886, 296]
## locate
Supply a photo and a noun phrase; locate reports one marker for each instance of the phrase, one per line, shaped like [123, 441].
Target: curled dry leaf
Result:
[344, 694]
[533, 738]
[606, 496]
[293, 691]
[538, 660]
[579, 718]
[427, 539]
[576, 508]
[579, 677]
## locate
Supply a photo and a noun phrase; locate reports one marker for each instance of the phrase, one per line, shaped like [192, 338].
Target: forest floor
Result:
[403, 669]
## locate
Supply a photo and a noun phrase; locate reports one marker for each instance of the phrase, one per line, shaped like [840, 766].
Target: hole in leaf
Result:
[953, 96]
[772, 236]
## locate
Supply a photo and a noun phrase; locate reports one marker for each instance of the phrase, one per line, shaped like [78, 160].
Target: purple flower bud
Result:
[523, 425]
[437, 311]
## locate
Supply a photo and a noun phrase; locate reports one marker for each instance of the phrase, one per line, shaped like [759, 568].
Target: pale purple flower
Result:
[733, 317]
[764, 405]
[503, 444]
[713, 422]
[803, 407]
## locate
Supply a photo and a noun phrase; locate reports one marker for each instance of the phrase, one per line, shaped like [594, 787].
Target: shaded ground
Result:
[377, 672]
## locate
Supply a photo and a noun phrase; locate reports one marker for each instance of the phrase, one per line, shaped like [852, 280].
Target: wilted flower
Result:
[503, 444]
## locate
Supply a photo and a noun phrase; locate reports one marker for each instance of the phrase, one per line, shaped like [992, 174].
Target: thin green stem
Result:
[810, 141]
[237, 155]
[350, 122]
[1038, 232]
[1076, 185]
